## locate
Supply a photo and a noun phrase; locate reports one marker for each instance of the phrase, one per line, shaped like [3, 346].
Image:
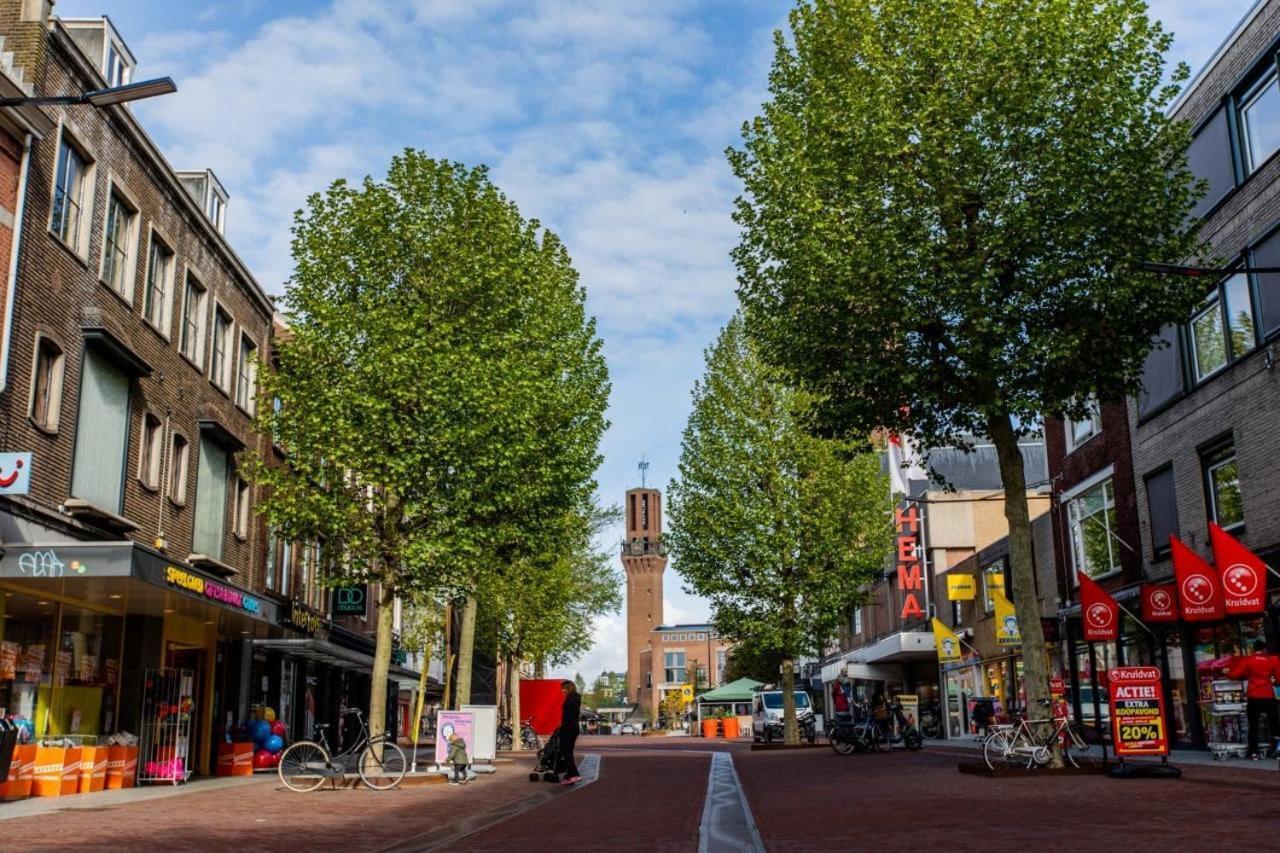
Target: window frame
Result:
[1215, 300]
[1075, 526]
[223, 382]
[68, 137]
[1247, 97]
[1212, 457]
[164, 324]
[150, 451]
[246, 384]
[117, 196]
[57, 374]
[243, 502]
[1160, 547]
[192, 277]
[998, 566]
[667, 670]
[1094, 421]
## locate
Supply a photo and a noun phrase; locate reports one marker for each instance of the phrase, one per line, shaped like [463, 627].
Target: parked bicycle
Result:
[906, 734]
[931, 720]
[306, 765]
[860, 733]
[1029, 743]
[528, 737]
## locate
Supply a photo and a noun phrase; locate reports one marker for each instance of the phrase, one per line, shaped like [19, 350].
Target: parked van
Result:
[766, 716]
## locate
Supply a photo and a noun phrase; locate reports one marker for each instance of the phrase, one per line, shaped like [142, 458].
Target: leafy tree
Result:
[777, 528]
[440, 389]
[946, 207]
[754, 661]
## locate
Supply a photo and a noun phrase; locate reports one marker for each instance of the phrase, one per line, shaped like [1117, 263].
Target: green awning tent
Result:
[741, 690]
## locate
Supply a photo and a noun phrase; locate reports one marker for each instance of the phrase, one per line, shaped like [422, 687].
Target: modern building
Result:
[660, 658]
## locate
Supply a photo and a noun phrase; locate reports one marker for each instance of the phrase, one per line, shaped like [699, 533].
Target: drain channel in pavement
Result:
[727, 825]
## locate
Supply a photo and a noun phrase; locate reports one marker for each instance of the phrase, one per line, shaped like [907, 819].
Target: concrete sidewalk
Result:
[1177, 757]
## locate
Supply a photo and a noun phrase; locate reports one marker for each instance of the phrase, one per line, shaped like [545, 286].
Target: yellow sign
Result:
[686, 692]
[948, 643]
[961, 588]
[1007, 633]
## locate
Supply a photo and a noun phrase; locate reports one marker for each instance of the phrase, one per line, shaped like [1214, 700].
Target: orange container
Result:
[235, 759]
[71, 770]
[122, 767]
[709, 727]
[48, 771]
[93, 769]
[21, 773]
[730, 727]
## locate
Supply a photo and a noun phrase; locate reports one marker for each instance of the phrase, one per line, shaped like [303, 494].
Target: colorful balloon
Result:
[261, 731]
[278, 728]
[261, 759]
[269, 714]
[275, 743]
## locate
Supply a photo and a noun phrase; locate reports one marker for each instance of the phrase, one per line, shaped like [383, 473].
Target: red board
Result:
[541, 701]
[1138, 724]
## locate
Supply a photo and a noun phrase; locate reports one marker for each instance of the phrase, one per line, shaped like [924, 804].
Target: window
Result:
[117, 246]
[211, 498]
[857, 620]
[1208, 346]
[273, 555]
[46, 385]
[149, 452]
[219, 360]
[1078, 432]
[1224, 328]
[247, 374]
[720, 661]
[191, 340]
[214, 210]
[1092, 520]
[1161, 372]
[675, 673]
[1260, 122]
[157, 301]
[286, 568]
[117, 69]
[955, 614]
[1209, 159]
[702, 636]
[71, 196]
[1222, 480]
[992, 582]
[102, 433]
[178, 460]
[1162, 508]
[242, 508]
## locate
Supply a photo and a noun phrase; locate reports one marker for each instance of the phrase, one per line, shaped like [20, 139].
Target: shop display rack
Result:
[1225, 723]
[168, 711]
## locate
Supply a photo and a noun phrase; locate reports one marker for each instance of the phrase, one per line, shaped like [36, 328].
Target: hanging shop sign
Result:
[949, 650]
[15, 473]
[193, 583]
[961, 588]
[1007, 631]
[67, 561]
[1199, 593]
[1159, 602]
[1137, 711]
[302, 618]
[1099, 613]
[910, 573]
[351, 600]
[1242, 573]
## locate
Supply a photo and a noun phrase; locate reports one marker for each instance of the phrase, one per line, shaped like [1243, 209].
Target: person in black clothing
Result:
[569, 714]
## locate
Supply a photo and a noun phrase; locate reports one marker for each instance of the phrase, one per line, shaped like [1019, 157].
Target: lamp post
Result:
[100, 97]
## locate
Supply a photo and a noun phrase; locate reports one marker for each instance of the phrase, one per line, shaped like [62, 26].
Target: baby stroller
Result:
[549, 763]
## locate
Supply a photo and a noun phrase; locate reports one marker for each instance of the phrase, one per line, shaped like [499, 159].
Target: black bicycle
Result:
[381, 764]
[528, 737]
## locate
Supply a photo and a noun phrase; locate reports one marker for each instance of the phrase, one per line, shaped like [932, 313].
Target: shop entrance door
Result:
[195, 660]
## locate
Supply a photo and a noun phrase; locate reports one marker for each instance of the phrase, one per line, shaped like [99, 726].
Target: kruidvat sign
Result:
[910, 573]
[175, 576]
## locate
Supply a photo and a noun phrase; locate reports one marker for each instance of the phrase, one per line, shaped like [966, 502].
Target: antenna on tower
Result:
[644, 469]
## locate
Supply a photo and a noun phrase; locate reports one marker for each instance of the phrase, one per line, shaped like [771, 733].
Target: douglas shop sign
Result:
[175, 576]
[1137, 711]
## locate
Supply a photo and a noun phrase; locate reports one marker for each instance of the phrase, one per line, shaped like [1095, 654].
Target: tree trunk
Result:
[381, 662]
[790, 730]
[1026, 602]
[448, 656]
[466, 650]
[540, 667]
[513, 702]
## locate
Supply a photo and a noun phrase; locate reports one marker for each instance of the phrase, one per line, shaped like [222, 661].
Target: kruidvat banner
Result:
[461, 723]
[1199, 591]
[1137, 711]
[1242, 573]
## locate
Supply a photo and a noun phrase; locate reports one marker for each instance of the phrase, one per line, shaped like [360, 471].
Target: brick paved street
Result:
[650, 796]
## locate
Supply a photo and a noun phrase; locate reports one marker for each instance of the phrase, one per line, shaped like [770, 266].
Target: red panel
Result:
[541, 701]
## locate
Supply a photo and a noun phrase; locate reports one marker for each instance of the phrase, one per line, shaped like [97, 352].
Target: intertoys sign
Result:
[1137, 711]
[910, 574]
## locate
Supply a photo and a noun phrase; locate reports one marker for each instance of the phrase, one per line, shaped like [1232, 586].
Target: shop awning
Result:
[741, 690]
[322, 651]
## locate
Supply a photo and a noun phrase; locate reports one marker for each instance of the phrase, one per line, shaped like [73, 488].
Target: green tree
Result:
[754, 661]
[439, 391]
[946, 207]
[779, 529]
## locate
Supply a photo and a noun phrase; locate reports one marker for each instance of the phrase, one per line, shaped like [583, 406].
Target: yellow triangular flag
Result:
[948, 643]
[1007, 631]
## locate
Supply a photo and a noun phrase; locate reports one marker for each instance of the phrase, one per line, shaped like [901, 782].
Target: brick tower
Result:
[644, 559]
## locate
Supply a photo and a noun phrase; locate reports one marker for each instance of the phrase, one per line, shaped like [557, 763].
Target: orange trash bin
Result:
[93, 768]
[24, 765]
[48, 771]
[730, 727]
[71, 770]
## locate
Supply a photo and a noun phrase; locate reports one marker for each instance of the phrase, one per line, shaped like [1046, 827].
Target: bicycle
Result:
[528, 737]
[1013, 745]
[305, 765]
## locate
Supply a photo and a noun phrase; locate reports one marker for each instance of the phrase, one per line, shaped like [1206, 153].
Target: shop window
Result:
[211, 498]
[85, 674]
[46, 385]
[149, 452]
[1162, 508]
[1092, 520]
[102, 433]
[675, 667]
[1222, 484]
[993, 581]
[178, 462]
[26, 659]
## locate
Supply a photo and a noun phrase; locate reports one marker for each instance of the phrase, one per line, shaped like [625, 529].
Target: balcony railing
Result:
[644, 547]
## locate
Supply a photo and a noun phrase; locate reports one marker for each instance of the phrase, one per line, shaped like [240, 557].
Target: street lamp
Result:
[101, 97]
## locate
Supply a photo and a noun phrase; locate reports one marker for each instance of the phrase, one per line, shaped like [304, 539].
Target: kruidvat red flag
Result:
[1199, 593]
[1099, 613]
[1243, 574]
[1159, 602]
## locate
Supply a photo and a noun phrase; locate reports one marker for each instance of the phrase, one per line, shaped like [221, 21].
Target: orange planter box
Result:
[24, 766]
[235, 759]
[730, 727]
[709, 727]
[122, 767]
[93, 769]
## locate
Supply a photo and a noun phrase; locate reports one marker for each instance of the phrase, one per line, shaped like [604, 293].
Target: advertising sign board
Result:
[1137, 711]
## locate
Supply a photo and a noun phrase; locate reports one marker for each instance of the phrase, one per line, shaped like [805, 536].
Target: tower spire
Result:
[644, 469]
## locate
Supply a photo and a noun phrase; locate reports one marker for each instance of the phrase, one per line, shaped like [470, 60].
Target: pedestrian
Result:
[569, 713]
[839, 701]
[983, 711]
[1260, 671]
[458, 758]
[880, 712]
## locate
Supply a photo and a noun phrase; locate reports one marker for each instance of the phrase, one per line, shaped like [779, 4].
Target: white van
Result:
[766, 716]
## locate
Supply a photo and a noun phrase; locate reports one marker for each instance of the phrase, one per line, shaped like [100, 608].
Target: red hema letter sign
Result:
[910, 577]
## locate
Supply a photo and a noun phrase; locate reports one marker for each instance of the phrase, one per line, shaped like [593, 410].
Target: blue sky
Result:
[605, 119]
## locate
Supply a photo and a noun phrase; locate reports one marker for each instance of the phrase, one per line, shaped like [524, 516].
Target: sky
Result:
[606, 120]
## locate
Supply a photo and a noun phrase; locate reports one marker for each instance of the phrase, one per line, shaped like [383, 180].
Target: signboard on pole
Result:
[1137, 711]
[484, 731]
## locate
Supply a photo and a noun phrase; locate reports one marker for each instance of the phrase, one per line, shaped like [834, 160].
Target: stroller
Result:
[550, 763]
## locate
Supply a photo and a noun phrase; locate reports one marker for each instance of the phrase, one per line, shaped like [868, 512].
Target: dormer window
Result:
[115, 68]
[207, 191]
[102, 45]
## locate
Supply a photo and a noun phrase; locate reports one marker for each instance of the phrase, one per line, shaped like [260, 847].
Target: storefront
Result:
[95, 637]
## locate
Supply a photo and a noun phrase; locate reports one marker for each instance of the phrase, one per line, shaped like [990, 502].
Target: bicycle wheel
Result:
[841, 743]
[304, 766]
[879, 740]
[382, 765]
[1079, 751]
[995, 749]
